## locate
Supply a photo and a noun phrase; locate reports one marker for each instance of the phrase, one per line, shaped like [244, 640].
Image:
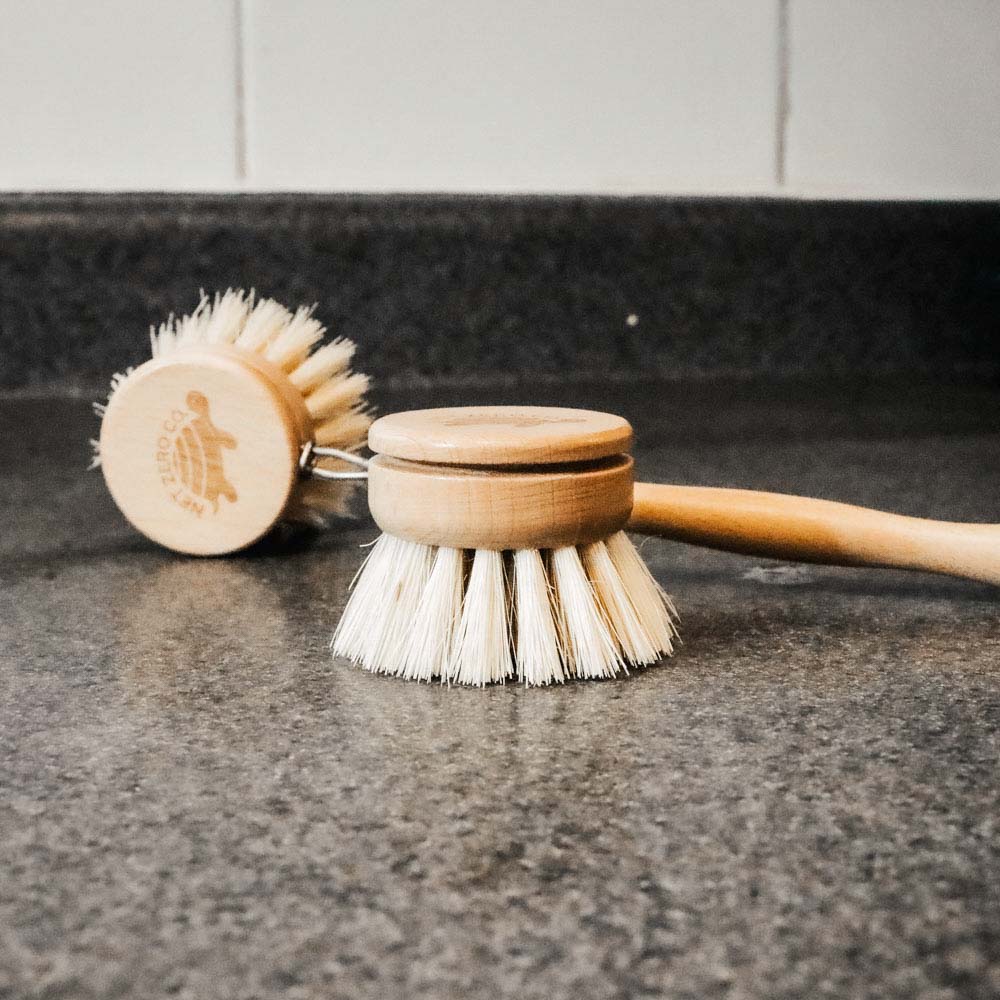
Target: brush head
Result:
[200, 450]
[200, 446]
[501, 477]
[503, 554]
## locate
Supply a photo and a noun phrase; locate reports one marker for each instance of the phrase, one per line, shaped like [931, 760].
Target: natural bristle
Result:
[585, 632]
[539, 654]
[483, 617]
[647, 597]
[611, 591]
[482, 645]
[291, 341]
[322, 365]
[428, 650]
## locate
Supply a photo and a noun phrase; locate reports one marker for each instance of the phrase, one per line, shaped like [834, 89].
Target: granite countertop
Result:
[197, 801]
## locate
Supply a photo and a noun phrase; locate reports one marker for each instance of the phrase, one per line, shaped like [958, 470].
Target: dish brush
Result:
[223, 432]
[504, 551]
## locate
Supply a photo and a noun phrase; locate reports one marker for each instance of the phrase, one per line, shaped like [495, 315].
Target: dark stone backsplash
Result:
[466, 288]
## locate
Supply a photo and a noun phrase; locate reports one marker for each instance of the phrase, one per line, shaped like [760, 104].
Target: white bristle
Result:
[157, 339]
[482, 645]
[313, 503]
[227, 317]
[100, 409]
[339, 396]
[296, 340]
[265, 328]
[635, 643]
[539, 658]
[321, 366]
[363, 611]
[405, 583]
[590, 649]
[428, 652]
[653, 607]
[346, 430]
[264, 323]
[586, 612]
[392, 579]
[191, 329]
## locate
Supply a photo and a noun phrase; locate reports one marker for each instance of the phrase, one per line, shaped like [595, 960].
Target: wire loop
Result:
[311, 452]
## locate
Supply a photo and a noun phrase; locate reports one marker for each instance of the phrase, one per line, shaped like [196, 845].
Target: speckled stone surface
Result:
[453, 287]
[197, 801]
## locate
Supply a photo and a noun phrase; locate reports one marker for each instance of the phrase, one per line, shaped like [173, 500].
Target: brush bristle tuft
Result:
[333, 395]
[540, 657]
[482, 617]
[482, 645]
[431, 642]
[585, 633]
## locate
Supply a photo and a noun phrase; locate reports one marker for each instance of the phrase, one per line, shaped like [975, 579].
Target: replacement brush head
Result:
[503, 553]
[203, 447]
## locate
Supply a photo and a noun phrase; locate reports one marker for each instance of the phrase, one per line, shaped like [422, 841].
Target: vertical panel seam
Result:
[783, 98]
[240, 129]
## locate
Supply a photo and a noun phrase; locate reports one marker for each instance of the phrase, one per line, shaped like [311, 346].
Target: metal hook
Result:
[311, 452]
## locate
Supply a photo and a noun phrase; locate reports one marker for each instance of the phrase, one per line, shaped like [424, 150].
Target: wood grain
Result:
[494, 509]
[820, 531]
[200, 449]
[500, 435]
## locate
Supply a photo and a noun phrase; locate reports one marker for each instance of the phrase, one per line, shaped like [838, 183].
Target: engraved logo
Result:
[189, 457]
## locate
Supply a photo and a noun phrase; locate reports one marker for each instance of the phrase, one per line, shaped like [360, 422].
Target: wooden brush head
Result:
[500, 477]
[200, 449]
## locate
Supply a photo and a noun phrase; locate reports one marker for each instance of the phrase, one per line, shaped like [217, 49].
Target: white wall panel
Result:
[887, 98]
[510, 95]
[117, 94]
[897, 98]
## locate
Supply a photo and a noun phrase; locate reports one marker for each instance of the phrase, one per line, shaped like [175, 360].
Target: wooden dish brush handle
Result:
[818, 531]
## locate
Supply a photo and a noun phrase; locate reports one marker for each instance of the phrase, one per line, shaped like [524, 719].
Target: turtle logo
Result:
[189, 457]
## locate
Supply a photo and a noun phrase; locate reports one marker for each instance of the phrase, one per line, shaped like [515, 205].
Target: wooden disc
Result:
[200, 450]
[500, 435]
[467, 508]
